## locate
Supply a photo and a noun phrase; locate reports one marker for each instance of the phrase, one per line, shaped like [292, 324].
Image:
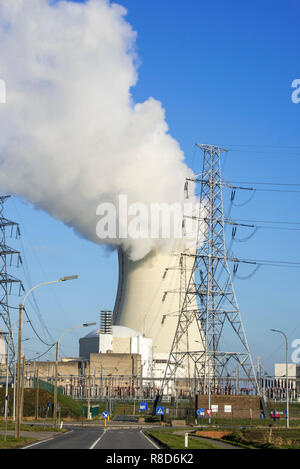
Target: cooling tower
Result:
[148, 299]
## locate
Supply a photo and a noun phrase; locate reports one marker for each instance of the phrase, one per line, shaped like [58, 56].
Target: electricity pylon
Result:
[209, 302]
[9, 257]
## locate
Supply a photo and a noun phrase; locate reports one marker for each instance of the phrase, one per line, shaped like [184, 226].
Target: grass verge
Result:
[13, 443]
[29, 427]
[168, 440]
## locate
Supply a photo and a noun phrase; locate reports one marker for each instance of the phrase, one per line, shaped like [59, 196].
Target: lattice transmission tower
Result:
[208, 302]
[9, 259]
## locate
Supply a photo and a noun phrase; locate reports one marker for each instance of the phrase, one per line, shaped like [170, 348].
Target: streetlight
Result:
[87, 324]
[21, 307]
[287, 375]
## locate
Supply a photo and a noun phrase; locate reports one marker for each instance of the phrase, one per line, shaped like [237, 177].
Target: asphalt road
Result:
[124, 439]
[93, 438]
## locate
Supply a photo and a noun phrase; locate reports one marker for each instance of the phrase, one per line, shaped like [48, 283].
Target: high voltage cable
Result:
[266, 152]
[243, 225]
[243, 148]
[267, 183]
[257, 145]
[254, 189]
[270, 221]
[276, 190]
[32, 300]
[267, 262]
[39, 356]
[45, 343]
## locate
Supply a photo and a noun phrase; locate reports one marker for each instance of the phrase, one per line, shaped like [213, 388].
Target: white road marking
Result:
[97, 441]
[150, 441]
[37, 443]
[48, 439]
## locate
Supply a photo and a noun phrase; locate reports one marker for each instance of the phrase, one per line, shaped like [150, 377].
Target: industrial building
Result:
[121, 340]
[115, 374]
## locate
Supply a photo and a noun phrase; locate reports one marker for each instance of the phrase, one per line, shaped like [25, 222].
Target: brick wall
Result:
[243, 407]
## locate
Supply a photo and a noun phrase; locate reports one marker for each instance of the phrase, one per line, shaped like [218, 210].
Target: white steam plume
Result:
[70, 135]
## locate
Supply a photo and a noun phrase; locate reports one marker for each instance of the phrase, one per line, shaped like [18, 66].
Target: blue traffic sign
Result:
[143, 406]
[105, 415]
[160, 411]
[200, 412]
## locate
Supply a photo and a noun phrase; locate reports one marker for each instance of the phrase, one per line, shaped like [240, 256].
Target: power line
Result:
[34, 330]
[269, 221]
[259, 146]
[267, 183]
[39, 356]
[267, 262]
[256, 227]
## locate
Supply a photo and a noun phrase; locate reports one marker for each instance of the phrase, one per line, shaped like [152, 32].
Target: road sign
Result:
[200, 412]
[143, 406]
[105, 415]
[208, 411]
[160, 410]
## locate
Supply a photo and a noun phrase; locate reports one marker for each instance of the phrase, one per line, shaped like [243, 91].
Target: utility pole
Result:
[6, 386]
[56, 368]
[55, 389]
[141, 381]
[89, 402]
[18, 394]
[37, 395]
[14, 398]
[132, 376]
[22, 391]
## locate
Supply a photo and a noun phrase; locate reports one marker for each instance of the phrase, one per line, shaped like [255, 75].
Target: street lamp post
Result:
[56, 367]
[21, 307]
[287, 375]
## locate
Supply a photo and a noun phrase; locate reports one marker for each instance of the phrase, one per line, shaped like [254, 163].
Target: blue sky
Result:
[223, 72]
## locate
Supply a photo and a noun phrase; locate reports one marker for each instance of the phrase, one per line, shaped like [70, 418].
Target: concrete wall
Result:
[114, 364]
[47, 369]
[109, 364]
